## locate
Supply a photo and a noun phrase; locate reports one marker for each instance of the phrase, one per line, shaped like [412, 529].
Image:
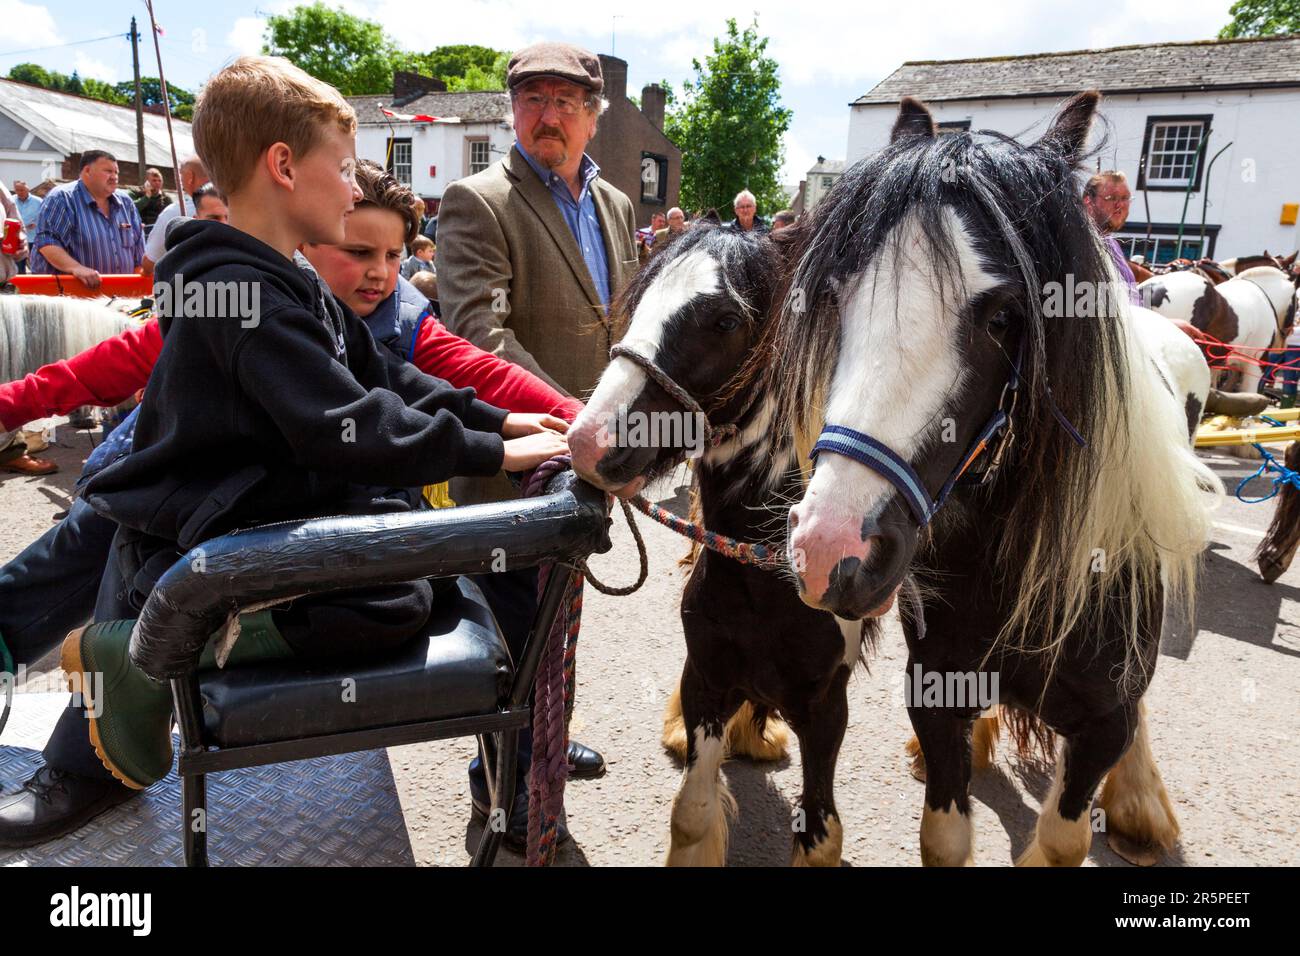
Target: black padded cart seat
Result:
[458, 666]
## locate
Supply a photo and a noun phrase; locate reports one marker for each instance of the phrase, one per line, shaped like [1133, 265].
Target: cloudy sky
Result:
[828, 53]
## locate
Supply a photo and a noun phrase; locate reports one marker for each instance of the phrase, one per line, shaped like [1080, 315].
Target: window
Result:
[1172, 152]
[954, 126]
[399, 160]
[826, 183]
[654, 178]
[1163, 245]
[480, 155]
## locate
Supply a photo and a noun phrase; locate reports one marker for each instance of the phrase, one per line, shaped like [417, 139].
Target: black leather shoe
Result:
[516, 837]
[584, 763]
[53, 803]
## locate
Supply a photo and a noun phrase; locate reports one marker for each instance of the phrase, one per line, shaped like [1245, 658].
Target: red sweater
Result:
[115, 369]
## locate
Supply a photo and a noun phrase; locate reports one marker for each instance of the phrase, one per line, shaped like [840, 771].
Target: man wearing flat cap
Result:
[531, 251]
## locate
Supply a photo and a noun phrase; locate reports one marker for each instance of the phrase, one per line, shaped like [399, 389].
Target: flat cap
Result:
[563, 61]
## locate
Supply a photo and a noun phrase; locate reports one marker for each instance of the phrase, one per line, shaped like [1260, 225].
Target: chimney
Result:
[615, 72]
[408, 86]
[652, 104]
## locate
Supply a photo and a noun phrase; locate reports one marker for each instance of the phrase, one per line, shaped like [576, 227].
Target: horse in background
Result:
[1035, 473]
[1239, 264]
[36, 330]
[1254, 310]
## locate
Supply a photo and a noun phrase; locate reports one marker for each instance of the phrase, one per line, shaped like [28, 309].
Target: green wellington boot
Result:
[131, 714]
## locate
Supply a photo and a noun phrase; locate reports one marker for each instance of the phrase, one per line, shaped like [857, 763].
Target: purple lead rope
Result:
[553, 693]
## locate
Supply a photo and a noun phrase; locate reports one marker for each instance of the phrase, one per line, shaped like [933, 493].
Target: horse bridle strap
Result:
[713, 435]
[884, 461]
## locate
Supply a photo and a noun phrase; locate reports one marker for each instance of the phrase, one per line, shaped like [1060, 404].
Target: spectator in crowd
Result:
[9, 260]
[786, 217]
[29, 208]
[420, 259]
[426, 283]
[536, 247]
[676, 225]
[150, 199]
[87, 227]
[747, 218]
[645, 238]
[193, 175]
[13, 450]
[1106, 198]
[210, 204]
[423, 209]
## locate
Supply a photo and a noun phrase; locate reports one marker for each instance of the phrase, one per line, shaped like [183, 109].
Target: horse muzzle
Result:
[853, 569]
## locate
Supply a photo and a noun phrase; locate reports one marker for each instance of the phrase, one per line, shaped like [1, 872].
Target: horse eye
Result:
[1000, 320]
[726, 323]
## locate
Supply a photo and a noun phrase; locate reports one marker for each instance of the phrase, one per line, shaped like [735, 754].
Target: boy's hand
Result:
[530, 451]
[519, 424]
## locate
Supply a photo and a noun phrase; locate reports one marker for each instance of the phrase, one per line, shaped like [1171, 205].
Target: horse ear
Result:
[1068, 134]
[914, 119]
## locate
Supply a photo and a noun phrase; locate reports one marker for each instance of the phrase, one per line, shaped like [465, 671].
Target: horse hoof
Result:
[1135, 852]
[1270, 571]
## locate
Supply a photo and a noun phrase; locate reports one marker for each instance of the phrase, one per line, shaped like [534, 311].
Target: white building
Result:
[821, 177]
[43, 134]
[427, 156]
[1242, 97]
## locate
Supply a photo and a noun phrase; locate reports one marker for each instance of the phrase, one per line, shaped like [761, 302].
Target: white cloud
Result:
[90, 68]
[246, 34]
[28, 25]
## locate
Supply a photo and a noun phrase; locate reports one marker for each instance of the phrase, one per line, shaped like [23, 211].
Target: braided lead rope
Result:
[746, 552]
[550, 765]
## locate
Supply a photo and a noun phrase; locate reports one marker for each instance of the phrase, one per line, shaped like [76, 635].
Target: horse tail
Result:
[38, 330]
[1275, 552]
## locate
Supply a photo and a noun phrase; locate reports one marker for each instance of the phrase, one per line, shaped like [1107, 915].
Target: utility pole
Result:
[139, 100]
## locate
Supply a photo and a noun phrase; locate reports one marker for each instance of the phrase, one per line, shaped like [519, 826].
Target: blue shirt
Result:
[70, 219]
[581, 216]
[28, 210]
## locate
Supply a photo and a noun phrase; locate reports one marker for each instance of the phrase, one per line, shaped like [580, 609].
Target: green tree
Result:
[182, 100]
[31, 73]
[348, 52]
[1261, 18]
[456, 60]
[728, 124]
[476, 77]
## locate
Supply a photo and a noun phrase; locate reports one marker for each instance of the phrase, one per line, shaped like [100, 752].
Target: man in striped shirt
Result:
[87, 228]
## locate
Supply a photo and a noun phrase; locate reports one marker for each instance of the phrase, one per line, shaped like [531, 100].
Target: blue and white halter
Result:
[998, 433]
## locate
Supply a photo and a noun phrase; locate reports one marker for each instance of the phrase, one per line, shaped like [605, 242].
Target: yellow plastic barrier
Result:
[1224, 430]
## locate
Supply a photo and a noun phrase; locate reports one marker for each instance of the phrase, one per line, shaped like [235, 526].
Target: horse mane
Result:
[36, 330]
[1081, 528]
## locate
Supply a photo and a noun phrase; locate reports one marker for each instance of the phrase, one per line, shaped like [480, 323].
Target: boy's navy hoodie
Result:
[301, 415]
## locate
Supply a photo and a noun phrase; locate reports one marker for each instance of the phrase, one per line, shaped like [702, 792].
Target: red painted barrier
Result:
[129, 285]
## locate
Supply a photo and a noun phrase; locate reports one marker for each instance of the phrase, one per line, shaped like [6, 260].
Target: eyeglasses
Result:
[1119, 199]
[565, 105]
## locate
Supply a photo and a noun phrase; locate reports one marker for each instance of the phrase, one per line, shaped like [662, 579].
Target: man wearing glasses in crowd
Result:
[1107, 198]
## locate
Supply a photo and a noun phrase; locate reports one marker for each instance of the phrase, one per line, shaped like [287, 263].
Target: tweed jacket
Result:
[512, 280]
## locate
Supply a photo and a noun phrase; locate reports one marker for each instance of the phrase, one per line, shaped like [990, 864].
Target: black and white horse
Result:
[919, 365]
[698, 315]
